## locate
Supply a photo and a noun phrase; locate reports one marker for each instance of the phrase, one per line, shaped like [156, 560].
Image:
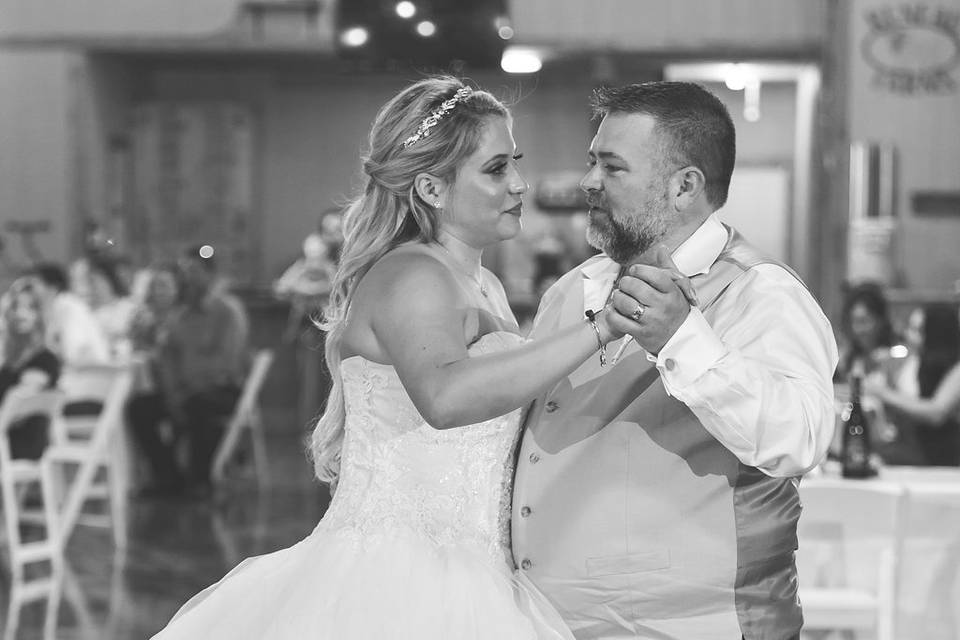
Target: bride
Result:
[430, 375]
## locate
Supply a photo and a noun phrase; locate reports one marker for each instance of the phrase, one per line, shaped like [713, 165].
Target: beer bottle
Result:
[855, 451]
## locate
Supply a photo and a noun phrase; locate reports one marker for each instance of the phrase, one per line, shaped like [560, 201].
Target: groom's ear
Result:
[430, 188]
[686, 187]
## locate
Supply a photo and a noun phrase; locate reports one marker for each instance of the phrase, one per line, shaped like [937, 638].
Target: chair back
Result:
[849, 533]
[97, 451]
[246, 417]
[14, 474]
[20, 403]
[88, 383]
[110, 420]
[262, 360]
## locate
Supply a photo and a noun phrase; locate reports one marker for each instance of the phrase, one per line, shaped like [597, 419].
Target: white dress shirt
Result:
[760, 378]
[75, 332]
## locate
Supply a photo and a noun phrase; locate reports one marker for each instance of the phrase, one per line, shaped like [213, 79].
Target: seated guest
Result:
[151, 315]
[933, 404]
[73, 332]
[896, 438]
[112, 306]
[147, 414]
[203, 362]
[25, 361]
[866, 331]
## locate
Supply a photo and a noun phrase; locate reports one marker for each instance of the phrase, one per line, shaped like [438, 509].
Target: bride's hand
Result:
[608, 333]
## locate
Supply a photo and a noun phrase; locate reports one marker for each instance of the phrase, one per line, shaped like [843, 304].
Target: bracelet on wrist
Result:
[592, 320]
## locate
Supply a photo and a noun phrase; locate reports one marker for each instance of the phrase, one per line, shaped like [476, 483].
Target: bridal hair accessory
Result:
[436, 115]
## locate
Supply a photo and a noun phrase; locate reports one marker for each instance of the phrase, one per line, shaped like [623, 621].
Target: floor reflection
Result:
[175, 550]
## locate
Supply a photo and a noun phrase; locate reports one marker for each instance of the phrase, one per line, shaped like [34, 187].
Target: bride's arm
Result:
[418, 314]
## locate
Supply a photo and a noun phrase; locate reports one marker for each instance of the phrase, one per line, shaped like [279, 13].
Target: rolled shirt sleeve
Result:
[758, 378]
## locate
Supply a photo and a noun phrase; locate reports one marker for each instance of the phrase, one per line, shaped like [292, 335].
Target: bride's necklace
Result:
[475, 278]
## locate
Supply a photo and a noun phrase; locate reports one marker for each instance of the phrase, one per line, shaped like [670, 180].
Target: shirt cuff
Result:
[689, 353]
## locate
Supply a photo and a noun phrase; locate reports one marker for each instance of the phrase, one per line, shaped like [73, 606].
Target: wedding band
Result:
[638, 312]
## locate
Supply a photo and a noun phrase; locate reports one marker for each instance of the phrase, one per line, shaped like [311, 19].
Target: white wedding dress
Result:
[415, 544]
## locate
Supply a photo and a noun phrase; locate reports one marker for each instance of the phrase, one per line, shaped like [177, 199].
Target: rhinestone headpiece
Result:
[436, 116]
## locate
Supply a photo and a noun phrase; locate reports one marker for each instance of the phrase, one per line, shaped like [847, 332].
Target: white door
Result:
[758, 206]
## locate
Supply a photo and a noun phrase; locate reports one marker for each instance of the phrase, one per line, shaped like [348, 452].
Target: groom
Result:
[656, 495]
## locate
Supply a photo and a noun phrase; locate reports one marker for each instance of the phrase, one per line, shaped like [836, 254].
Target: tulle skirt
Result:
[399, 586]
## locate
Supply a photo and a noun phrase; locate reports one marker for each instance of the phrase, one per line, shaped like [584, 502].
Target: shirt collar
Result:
[696, 254]
[602, 268]
[693, 257]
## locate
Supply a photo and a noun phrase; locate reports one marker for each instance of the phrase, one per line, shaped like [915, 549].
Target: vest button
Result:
[525, 511]
[534, 458]
[525, 563]
[551, 406]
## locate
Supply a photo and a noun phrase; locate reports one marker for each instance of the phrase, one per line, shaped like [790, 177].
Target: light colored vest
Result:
[634, 520]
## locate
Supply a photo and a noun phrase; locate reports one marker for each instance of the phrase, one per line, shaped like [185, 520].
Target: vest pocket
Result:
[628, 563]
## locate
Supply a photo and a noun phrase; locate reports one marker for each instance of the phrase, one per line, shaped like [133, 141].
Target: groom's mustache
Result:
[595, 202]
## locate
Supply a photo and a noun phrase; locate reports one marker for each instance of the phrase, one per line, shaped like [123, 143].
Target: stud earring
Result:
[436, 204]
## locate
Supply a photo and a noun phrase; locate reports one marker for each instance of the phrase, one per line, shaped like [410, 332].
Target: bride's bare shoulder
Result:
[410, 265]
[406, 289]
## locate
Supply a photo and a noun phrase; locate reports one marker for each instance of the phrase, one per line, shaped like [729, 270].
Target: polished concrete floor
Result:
[176, 548]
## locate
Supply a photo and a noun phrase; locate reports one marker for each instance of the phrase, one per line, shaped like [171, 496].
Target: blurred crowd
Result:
[181, 330]
[184, 335]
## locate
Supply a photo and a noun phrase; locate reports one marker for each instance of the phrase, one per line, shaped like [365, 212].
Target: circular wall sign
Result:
[913, 48]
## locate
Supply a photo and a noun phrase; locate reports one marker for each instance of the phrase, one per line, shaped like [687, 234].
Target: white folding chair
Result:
[246, 418]
[849, 552]
[87, 383]
[64, 586]
[17, 477]
[94, 447]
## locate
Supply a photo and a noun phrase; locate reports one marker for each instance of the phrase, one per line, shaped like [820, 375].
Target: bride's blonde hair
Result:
[389, 211]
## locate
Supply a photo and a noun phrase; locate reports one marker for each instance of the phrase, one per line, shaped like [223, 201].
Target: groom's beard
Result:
[625, 237]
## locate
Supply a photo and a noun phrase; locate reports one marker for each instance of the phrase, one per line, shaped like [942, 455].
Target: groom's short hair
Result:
[694, 126]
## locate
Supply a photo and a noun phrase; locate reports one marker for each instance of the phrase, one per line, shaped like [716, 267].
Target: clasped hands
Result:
[650, 302]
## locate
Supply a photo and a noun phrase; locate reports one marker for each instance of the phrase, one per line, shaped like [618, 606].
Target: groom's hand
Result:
[652, 301]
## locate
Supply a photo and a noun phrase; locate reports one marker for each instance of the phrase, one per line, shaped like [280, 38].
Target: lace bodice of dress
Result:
[400, 475]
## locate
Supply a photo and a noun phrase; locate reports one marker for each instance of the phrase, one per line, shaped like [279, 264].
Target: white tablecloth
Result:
[929, 590]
